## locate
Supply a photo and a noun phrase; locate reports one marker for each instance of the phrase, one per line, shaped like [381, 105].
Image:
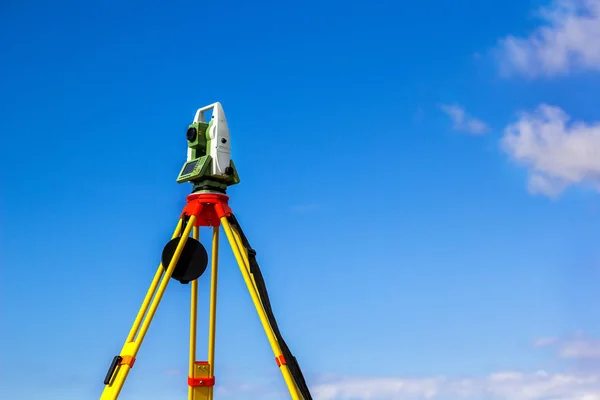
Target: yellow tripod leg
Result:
[245, 269]
[122, 364]
[193, 323]
[240, 246]
[202, 374]
[212, 314]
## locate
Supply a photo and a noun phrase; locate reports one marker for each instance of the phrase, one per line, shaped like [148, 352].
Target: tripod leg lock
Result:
[127, 360]
[280, 360]
[116, 362]
[201, 381]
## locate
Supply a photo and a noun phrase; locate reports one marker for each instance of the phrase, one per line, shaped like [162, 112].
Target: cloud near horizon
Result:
[502, 385]
[509, 385]
[577, 346]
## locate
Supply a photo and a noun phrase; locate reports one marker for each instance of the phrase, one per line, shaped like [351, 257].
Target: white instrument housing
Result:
[218, 138]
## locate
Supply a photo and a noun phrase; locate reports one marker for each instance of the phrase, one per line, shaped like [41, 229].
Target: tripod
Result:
[185, 260]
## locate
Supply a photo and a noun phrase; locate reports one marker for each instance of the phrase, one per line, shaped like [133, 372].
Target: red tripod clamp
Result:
[208, 208]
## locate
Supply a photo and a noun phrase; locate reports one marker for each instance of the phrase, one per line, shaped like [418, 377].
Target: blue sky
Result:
[420, 181]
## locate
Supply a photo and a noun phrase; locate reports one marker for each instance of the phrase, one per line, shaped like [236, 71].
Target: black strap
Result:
[292, 363]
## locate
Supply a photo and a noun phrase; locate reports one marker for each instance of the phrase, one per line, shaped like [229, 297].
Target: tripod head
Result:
[209, 165]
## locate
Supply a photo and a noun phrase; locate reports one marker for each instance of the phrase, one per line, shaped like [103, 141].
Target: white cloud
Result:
[568, 40]
[501, 385]
[462, 121]
[577, 346]
[174, 371]
[544, 341]
[557, 154]
[372, 388]
[540, 385]
[581, 349]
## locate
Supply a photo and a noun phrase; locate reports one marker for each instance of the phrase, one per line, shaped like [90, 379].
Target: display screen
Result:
[189, 167]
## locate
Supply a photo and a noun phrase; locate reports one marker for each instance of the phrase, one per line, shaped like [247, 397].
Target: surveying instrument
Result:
[211, 171]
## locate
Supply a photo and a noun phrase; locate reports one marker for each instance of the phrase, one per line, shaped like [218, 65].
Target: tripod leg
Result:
[250, 283]
[193, 323]
[123, 363]
[202, 373]
[150, 292]
[212, 321]
[240, 246]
